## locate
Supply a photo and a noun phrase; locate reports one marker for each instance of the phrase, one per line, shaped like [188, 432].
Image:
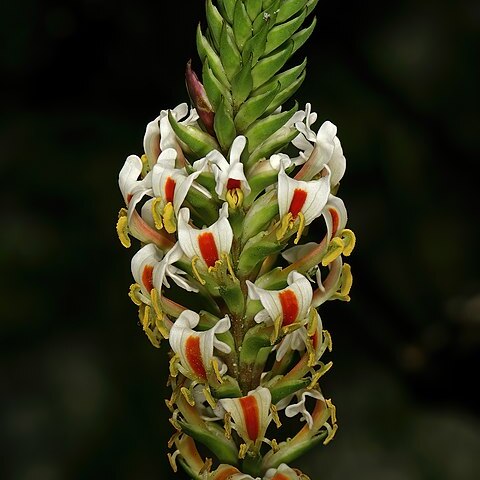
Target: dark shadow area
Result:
[82, 390]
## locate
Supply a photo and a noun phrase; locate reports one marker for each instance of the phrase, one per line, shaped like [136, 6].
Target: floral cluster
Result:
[221, 201]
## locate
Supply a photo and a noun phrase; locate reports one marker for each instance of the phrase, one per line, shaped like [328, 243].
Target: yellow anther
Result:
[347, 280]
[122, 228]
[291, 328]
[277, 325]
[171, 459]
[312, 323]
[188, 396]
[156, 212]
[217, 370]
[234, 198]
[207, 466]
[243, 450]
[146, 166]
[145, 317]
[284, 225]
[169, 218]
[331, 433]
[323, 370]
[333, 410]
[175, 424]
[172, 440]
[275, 417]
[226, 257]
[195, 271]
[349, 241]
[209, 397]
[301, 227]
[227, 422]
[172, 365]
[275, 446]
[133, 293]
[327, 338]
[334, 249]
[164, 332]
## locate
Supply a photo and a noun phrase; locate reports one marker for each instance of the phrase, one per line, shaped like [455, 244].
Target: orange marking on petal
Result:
[315, 340]
[208, 248]
[194, 356]
[226, 473]
[147, 277]
[335, 220]
[170, 185]
[232, 184]
[298, 201]
[129, 198]
[280, 476]
[251, 414]
[290, 309]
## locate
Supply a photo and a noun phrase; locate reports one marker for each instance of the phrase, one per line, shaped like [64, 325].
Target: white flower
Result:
[207, 244]
[300, 408]
[283, 472]
[195, 349]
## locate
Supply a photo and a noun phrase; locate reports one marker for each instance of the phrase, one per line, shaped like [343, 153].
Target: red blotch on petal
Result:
[232, 184]
[290, 309]
[298, 201]
[252, 416]
[208, 248]
[147, 277]
[335, 220]
[194, 356]
[170, 185]
[280, 476]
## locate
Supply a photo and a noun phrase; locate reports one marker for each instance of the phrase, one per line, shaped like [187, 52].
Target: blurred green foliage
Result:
[82, 390]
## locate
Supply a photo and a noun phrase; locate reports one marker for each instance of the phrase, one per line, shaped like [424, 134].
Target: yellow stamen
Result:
[331, 433]
[209, 397]
[122, 228]
[188, 396]
[277, 324]
[312, 323]
[349, 240]
[172, 365]
[327, 338]
[133, 293]
[157, 216]
[169, 218]
[275, 446]
[175, 423]
[291, 328]
[227, 425]
[347, 280]
[334, 249]
[171, 459]
[234, 198]
[333, 410]
[226, 256]
[275, 417]
[284, 225]
[243, 450]
[301, 227]
[173, 439]
[207, 466]
[324, 369]
[217, 370]
[195, 271]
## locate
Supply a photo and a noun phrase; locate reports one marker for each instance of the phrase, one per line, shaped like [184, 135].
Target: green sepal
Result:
[227, 8]
[272, 145]
[289, 452]
[242, 25]
[228, 389]
[280, 390]
[242, 83]
[267, 67]
[214, 88]
[285, 78]
[260, 215]
[281, 33]
[198, 142]
[224, 125]
[269, 13]
[207, 180]
[303, 35]
[289, 8]
[255, 339]
[206, 207]
[285, 94]
[213, 437]
[215, 22]
[254, 7]
[229, 54]
[311, 5]
[260, 182]
[236, 217]
[253, 108]
[191, 473]
[255, 46]
[206, 51]
[255, 251]
[233, 296]
[260, 130]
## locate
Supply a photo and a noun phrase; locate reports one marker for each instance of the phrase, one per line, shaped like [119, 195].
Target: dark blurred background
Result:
[81, 388]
